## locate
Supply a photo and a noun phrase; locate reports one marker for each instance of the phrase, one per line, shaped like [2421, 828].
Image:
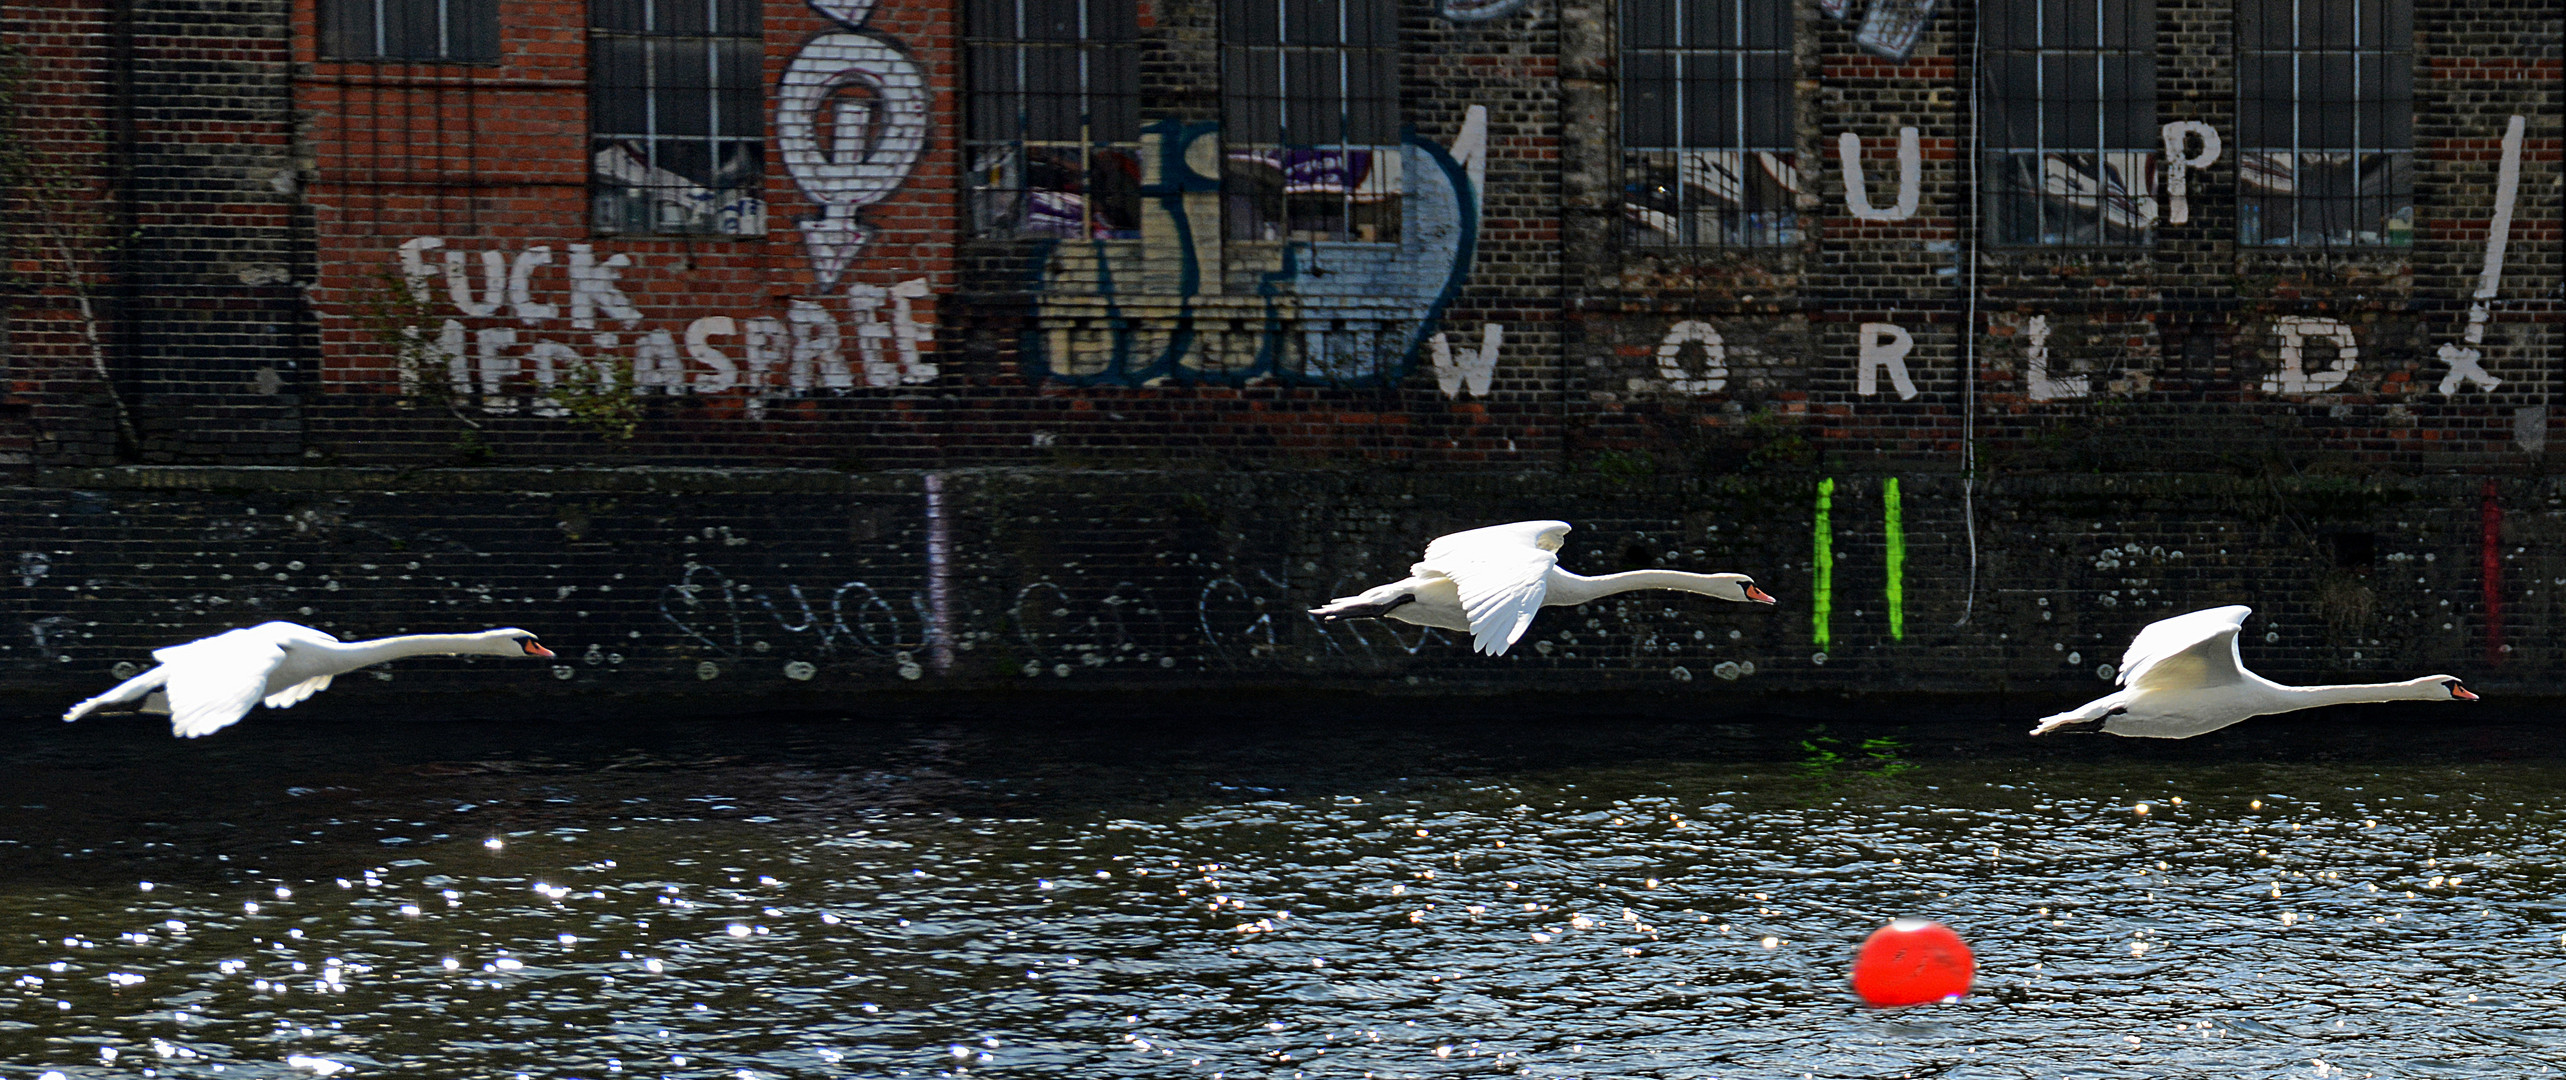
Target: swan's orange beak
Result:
[2461, 692]
[1760, 596]
[534, 648]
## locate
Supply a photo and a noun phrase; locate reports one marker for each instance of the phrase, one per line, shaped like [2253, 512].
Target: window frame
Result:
[1357, 179]
[2119, 147]
[732, 144]
[471, 37]
[1750, 160]
[1004, 112]
[2386, 111]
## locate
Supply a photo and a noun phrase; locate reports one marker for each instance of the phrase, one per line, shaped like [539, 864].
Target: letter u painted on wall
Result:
[1192, 302]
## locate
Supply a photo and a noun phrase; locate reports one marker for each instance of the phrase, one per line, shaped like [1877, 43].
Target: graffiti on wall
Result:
[851, 119]
[527, 322]
[2188, 147]
[2463, 360]
[1184, 304]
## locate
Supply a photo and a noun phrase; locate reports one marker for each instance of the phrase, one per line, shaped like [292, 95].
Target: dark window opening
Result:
[1709, 131]
[677, 117]
[432, 31]
[2355, 551]
[2069, 121]
[1310, 119]
[2325, 123]
[1054, 115]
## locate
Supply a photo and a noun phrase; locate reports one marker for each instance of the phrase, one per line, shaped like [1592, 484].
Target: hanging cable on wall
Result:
[1968, 248]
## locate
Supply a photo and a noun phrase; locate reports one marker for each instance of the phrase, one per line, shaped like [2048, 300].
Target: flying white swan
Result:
[2182, 677]
[1491, 581]
[211, 683]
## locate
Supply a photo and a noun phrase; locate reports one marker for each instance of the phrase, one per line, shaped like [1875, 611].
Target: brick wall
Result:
[163, 193]
[822, 587]
[270, 194]
[1173, 442]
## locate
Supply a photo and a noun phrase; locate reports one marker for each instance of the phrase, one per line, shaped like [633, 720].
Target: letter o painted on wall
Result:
[1713, 377]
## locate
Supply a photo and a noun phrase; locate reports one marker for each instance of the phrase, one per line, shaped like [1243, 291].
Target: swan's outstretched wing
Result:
[213, 682]
[1502, 573]
[2186, 651]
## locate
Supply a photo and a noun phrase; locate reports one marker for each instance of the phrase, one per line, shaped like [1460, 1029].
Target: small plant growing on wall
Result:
[396, 312]
[598, 395]
[398, 315]
[57, 227]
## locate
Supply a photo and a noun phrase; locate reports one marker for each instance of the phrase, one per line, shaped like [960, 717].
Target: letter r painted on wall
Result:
[1884, 345]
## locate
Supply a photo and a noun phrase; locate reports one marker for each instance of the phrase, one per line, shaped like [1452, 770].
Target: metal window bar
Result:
[1309, 104]
[1709, 126]
[2326, 118]
[2071, 157]
[1054, 113]
[677, 117]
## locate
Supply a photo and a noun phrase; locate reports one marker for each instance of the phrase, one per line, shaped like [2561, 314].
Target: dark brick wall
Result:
[265, 192]
[164, 188]
[1176, 580]
[1145, 480]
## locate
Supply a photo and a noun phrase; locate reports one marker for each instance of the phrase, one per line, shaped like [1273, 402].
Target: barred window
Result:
[1310, 119]
[447, 31]
[2325, 123]
[676, 115]
[2069, 115]
[1709, 132]
[1054, 114]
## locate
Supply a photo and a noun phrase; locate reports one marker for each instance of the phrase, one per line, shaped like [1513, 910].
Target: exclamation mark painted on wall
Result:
[1822, 567]
[1893, 523]
[2490, 574]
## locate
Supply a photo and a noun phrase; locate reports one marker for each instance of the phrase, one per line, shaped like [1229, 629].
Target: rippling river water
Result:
[1212, 895]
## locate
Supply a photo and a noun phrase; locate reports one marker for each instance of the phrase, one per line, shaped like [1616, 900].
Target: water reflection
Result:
[728, 899]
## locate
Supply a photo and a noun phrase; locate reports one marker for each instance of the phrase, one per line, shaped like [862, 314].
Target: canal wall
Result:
[795, 589]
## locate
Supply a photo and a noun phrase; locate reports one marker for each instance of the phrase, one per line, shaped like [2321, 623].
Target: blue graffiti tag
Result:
[1332, 313]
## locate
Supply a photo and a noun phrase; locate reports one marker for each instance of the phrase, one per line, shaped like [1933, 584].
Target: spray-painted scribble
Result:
[1324, 312]
[2038, 383]
[2464, 360]
[735, 620]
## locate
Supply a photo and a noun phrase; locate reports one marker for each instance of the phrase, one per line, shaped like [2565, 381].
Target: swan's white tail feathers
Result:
[140, 686]
[297, 693]
[1368, 604]
[2083, 714]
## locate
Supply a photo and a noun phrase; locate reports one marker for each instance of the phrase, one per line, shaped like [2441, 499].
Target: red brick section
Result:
[264, 192]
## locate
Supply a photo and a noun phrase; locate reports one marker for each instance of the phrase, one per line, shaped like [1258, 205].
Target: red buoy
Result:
[1910, 962]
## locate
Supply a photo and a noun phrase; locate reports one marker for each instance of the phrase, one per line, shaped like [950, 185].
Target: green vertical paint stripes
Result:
[1822, 563]
[1893, 522]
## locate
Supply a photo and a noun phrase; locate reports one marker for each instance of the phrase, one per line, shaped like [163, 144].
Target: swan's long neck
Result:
[2424, 689]
[1568, 588]
[379, 650]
